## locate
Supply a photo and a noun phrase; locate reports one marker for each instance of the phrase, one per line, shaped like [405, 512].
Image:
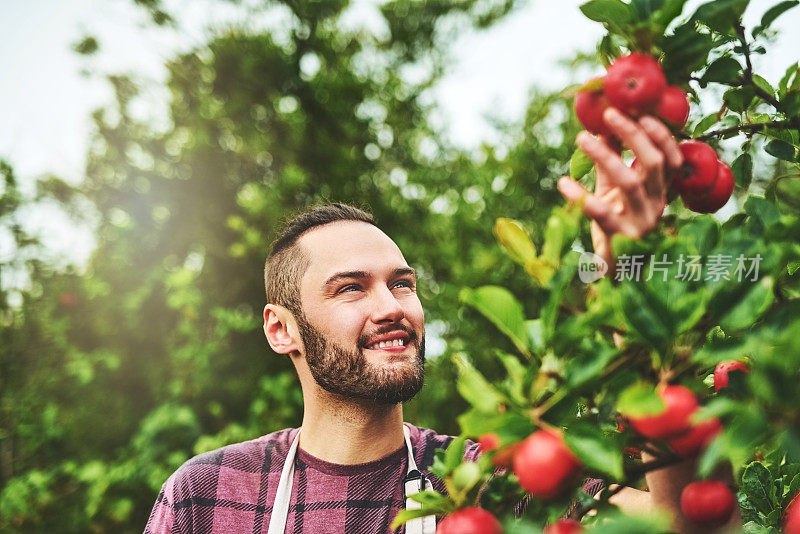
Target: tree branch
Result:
[752, 127]
[748, 70]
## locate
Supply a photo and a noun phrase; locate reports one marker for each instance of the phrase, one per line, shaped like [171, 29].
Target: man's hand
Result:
[665, 487]
[628, 200]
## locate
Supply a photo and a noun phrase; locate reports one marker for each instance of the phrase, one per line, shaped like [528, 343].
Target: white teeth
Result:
[383, 344]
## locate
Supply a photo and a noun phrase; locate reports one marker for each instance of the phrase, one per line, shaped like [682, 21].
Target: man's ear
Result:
[280, 327]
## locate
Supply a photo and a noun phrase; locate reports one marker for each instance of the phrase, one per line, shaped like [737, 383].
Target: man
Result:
[342, 305]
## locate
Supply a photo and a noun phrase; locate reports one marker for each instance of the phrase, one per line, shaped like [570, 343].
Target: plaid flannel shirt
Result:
[232, 489]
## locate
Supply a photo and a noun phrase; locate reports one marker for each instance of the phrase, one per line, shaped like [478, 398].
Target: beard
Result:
[349, 374]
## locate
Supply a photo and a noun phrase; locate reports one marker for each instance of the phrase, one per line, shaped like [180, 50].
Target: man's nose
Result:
[386, 307]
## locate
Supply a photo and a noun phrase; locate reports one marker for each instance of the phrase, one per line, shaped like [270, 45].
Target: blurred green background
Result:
[114, 373]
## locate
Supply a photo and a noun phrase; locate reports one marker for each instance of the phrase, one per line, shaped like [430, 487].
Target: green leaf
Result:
[643, 316]
[790, 102]
[739, 98]
[791, 490]
[510, 425]
[465, 476]
[639, 399]
[535, 335]
[454, 454]
[615, 522]
[475, 389]
[742, 168]
[515, 240]
[668, 12]
[516, 374]
[705, 123]
[763, 84]
[710, 458]
[789, 79]
[407, 514]
[686, 51]
[614, 13]
[773, 13]
[747, 310]
[757, 485]
[561, 231]
[780, 150]
[644, 9]
[558, 284]
[501, 307]
[588, 366]
[540, 270]
[431, 500]
[723, 70]
[596, 451]
[762, 209]
[721, 15]
[579, 164]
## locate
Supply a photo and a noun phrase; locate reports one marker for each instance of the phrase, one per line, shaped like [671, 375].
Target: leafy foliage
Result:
[112, 377]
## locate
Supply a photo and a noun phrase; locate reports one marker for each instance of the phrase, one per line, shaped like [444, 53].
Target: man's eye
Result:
[407, 283]
[349, 287]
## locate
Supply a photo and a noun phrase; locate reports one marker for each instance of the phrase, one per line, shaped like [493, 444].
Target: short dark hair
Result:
[286, 262]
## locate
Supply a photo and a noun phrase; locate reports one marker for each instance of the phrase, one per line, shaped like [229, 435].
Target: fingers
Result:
[663, 138]
[595, 207]
[636, 138]
[608, 161]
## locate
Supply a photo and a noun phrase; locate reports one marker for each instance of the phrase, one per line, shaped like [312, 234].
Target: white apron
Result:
[411, 485]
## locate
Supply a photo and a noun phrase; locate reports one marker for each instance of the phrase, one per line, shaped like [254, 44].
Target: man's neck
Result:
[343, 431]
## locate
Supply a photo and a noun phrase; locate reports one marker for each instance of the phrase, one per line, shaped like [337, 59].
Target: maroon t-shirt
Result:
[232, 489]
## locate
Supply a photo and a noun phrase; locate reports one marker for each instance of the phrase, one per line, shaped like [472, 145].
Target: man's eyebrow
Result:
[405, 271]
[363, 275]
[346, 275]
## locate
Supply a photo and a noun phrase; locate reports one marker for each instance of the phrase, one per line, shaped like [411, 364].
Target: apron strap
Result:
[280, 508]
[414, 482]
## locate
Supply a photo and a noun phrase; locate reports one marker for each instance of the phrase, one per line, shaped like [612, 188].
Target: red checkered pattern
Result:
[232, 489]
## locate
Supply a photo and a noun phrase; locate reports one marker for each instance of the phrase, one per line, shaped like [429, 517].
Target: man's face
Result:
[358, 291]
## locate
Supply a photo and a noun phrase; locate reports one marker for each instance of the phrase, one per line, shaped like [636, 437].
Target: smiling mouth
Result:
[395, 345]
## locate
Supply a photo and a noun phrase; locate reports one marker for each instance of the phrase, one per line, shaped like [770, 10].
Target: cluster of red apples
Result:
[636, 85]
[546, 468]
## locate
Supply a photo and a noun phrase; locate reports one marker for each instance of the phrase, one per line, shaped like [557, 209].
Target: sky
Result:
[47, 91]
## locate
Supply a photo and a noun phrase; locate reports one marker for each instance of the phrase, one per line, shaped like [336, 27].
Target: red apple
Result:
[488, 442]
[502, 458]
[564, 526]
[699, 169]
[721, 372]
[544, 464]
[792, 517]
[708, 502]
[634, 84]
[470, 521]
[679, 404]
[696, 438]
[674, 106]
[590, 103]
[717, 196]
